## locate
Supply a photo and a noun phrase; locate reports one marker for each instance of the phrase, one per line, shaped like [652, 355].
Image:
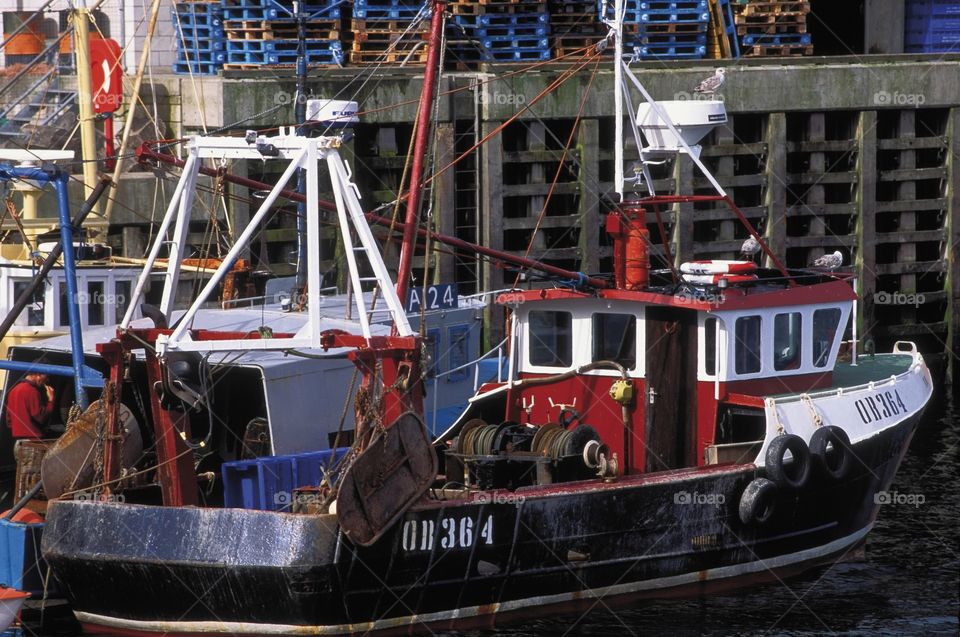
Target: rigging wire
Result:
[559, 171]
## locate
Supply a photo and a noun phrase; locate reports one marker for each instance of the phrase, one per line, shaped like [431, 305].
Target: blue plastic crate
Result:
[21, 565]
[268, 483]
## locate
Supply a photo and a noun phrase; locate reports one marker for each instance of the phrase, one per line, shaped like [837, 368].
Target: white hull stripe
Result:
[473, 611]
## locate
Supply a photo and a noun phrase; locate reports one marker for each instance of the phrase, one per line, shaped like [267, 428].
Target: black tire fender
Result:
[831, 452]
[758, 501]
[795, 473]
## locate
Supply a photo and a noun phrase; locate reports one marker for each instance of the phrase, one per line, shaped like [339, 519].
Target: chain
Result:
[100, 441]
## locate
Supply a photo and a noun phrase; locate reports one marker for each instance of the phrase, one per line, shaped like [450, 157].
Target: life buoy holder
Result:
[758, 501]
[714, 279]
[792, 474]
[718, 266]
[831, 452]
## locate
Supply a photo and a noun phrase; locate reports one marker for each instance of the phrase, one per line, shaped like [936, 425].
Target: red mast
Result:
[420, 150]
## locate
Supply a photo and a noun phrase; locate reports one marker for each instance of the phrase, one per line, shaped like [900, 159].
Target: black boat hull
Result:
[184, 571]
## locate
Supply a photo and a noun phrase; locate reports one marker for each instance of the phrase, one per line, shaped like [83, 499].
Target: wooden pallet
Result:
[275, 34]
[772, 50]
[782, 7]
[394, 57]
[771, 28]
[387, 26]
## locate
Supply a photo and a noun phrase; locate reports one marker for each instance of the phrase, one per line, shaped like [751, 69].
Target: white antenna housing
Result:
[336, 112]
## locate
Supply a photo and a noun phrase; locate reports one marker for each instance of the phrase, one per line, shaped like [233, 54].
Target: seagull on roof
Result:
[750, 248]
[711, 85]
[829, 261]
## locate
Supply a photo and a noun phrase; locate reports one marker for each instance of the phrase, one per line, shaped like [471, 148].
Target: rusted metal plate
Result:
[395, 469]
[69, 463]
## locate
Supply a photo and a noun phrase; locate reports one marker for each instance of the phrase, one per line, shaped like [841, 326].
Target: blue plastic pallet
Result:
[200, 57]
[726, 6]
[201, 45]
[932, 38]
[936, 23]
[330, 56]
[516, 19]
[776, 39]
[509, 32]
[919, 8]
[204, 33]
[389, 10]
[673, 38]
[268, 483]
[182, 68]
[253, 12]
[289, 46]
[506, 43]
[692, 52]
[636, 7]
[518, 55]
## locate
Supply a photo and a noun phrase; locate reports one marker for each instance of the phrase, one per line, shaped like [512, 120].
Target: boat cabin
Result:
[699, 362]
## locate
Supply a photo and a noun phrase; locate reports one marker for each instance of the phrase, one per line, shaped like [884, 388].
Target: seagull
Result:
[829, 261]
[711, 85]
[750, 248]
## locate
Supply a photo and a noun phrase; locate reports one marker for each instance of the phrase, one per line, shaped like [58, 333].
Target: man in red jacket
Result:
[29, 405]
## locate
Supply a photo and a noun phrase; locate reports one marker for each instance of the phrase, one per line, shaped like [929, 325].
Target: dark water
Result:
[905, 581]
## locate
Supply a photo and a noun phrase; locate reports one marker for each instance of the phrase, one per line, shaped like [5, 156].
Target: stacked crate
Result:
[932, 26]
[575, 26]
[200, 37]
[664, 30]
[264, 32]
[774, 29]
[383, 32]
[499, 31]
[722, 39]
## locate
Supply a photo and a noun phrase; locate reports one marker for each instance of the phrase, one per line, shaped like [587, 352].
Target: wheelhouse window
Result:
[95, 301]
[787, 341]
[121, 290]
[825, 324]
[710, 346]
[615, 339]
[747, 346]
[459, 336]
[35, 308]
[64, 312]
[550, 338]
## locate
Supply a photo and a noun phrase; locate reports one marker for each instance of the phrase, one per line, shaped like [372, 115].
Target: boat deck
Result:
[870, 369]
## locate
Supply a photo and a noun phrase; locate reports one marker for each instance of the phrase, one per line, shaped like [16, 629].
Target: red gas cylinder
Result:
[631, 255]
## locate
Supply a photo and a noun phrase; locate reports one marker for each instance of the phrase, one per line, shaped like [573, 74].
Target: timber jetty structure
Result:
[856, 154]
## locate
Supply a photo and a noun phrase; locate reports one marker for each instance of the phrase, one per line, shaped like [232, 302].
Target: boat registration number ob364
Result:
[451, 533]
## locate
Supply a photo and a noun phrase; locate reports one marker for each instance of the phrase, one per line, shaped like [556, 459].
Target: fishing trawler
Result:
[659, 433]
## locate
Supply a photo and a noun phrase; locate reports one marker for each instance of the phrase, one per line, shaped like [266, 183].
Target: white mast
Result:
[618, 97]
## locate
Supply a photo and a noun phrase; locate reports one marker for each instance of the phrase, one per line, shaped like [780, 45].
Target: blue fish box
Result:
[268, 483]
[21, 565]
